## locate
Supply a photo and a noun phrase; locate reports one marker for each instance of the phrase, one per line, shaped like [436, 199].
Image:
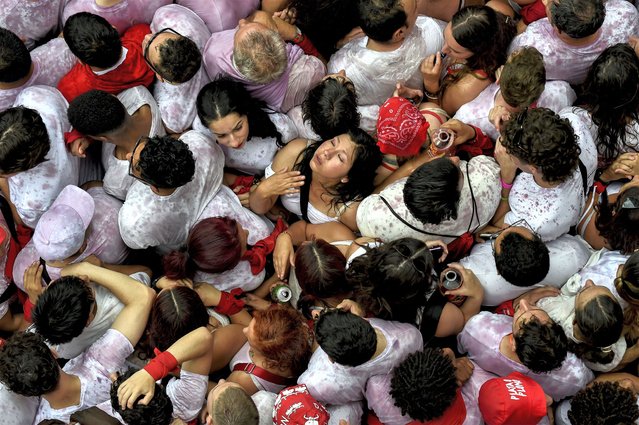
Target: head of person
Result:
[228, 404]
[176, 312]
[523, 78]
[282, 337]
[392, 280]
[173, 57]
[597, 325]
[480, 36]
[433, 190]
[93, 40]
[64, 309]
[27, 365]
[401, 128]
[158, 411]
[424, 385]
[521, 257]
[347, 339]
[627, 285]
[214, 245]
[24, 141]
[15, 60]
[331, 106]
[611, 95]
[515, 399]
[98, 114]
[387, 21]
[539, 343]
[542, 143]
[259, 53]
[576, 18]
[233, 115]
[604, 403]
[161, 162]
[617, 222]
[295, 405]
[349, 160]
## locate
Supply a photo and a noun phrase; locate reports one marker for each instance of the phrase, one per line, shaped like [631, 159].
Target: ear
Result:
[155, 190]
[159, 77]
[344, 180]
[399, 35]
[513, 345]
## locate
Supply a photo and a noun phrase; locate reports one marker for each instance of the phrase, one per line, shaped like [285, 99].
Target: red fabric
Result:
[72, 136]
[245, 182]
[24, 236]
[309, 48]
[230, 302]
[533, 12]
[515, 399]
[506, 308]
[482, 145]
[454, 415]
[460, 247]
[401, 128]
[161, 365]
[256, 256]
[134, 71]
[600, 187]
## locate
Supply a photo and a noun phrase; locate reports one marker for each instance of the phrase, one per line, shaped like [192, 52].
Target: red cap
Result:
[401, 128]
[295, 406]
[515, 399]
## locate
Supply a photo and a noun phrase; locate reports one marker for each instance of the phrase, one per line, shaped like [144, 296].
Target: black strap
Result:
[8, 218]
[8, 293]
[45, 273]
[430, 316]
[584, 177]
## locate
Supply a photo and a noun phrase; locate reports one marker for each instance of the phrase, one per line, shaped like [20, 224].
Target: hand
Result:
[471, 286]
[256, 302]
[351, 306]
[79, 146]
[286, 30]
[352, 35]
[243, 197]
[498, 116]
[283, 255]
[140, 383]
[624, 166]
[431, 69]
[33, 281]
[166, 283]
[439, 243]
[634, 43]
[76, 269]
[463, 132]
[288, 15]
[535, 295]
[506, 163]
[414, 95]
[463, 369]
[631, 183]
[282, 182]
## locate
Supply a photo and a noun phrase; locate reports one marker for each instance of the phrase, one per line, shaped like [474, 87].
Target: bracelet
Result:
[504, 198]
[505, 185]
[299, 37]
[431, 96]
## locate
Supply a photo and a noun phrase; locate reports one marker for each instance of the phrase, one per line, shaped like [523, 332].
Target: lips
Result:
[317, 159]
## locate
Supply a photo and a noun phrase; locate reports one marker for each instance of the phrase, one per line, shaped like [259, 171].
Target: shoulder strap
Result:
[253, 369]
[45, 273]
[8, 218]
[410, 225]
[584, 177]
[475, 212]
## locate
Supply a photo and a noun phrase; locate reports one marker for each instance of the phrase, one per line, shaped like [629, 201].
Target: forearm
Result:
[472, 305]
[261, 202]
[128, 269]
[125, 288]
[192, 345]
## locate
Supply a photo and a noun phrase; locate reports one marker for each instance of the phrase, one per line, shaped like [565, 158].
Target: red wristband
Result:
[161, 365]
[230, 303]
[506, 308]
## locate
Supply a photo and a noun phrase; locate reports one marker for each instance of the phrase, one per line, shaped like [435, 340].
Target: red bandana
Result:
[401, 128]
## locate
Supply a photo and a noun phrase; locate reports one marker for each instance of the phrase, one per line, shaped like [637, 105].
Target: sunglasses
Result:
[145, 53]
[521, 119]
[136, 167]
[519, 223]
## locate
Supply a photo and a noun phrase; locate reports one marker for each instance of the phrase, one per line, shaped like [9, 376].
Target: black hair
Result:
[166, 162]
[225, 96]
[380, 19]
[15, 60]
[600, 321]
[96, 113]
[24, 141]
[346, 338]
[604, 403]
[542, 138]
[331, 108]
[627, 286]
[180, 59]
[431, 192]
[158, 411]
[392, 281]
[424, 385]
[93, 40]
[577, 18]
[618, 225]
[366, 159]
[611, 96]
[27, 366]
[541, 347]
[522, 261]
[62, 310]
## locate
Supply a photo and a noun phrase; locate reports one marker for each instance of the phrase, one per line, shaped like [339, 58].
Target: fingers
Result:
[147, 399]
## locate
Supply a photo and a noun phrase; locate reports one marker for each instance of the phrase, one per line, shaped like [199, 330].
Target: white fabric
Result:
[375, 220]
[5, 281]
[375, 74]
[602, 269]
[552, 211]
[177, 101]
[33, 191]
[16, 409]
[220, 15]
[556, 96]
[150, 220]
[571, 63]
[30, 20]
[368, 121]
[116, 178]
[567, 255]
[187, 394]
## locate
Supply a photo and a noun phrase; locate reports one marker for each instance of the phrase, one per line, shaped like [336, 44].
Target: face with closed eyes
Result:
[452, 48]
[231, 131]
[334, 158]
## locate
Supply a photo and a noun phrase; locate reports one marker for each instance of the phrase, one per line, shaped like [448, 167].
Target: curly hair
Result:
[180, 59]
[523, 78]
[331, 108]
[96, 113]
[618, 225]
[577, 18]
[627, 286]
[366, 159]
[167, 163]
[225, 96]
[522, 261]
[380, 19]
[27, 366]
[15, 60]
[543, 139]
[424, 385]
[392, 281]
[611, 96]
[346, 338]
[604, 403]
[158, 411]
[24, 140]
[261, 56]
[541, 347]
[93, 40]
[283, 338]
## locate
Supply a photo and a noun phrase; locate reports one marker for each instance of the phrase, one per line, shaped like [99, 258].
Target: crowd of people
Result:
[319, 212]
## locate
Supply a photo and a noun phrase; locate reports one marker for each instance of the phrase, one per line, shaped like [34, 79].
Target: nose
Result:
[241, 23]
[235, 141]
[145, 40]
[523, 305]
[445, 49]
